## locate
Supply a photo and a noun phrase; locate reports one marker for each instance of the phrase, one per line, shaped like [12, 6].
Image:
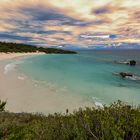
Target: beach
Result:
[28, 95]
[33, 82]
[6, 56]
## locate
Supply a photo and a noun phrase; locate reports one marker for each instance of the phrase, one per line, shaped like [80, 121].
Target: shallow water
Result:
[87, 74]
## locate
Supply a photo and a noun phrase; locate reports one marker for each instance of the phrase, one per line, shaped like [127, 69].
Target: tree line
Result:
[7, 47]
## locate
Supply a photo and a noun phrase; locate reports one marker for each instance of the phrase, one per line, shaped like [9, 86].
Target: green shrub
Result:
[15, 47]
[2, 105]
[115, 122]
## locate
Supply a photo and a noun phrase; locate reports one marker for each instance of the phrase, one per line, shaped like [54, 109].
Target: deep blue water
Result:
[88, 74]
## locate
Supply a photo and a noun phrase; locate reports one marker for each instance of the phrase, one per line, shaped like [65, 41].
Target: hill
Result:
[15, 47]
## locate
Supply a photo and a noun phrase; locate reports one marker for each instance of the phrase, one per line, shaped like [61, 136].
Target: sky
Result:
[71, 23]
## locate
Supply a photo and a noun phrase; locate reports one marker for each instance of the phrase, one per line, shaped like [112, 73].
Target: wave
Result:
[97, 102]
[21, 78]
[135, 78]
[11, 66]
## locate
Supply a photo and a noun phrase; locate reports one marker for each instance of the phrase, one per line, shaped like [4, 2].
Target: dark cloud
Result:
[36, 43]
[24, 25]
[112, 36]
[74, 22]
[59, 38]
[49, 32]
[43, 13]
[47, 14]
[14, 37]
[102, 10]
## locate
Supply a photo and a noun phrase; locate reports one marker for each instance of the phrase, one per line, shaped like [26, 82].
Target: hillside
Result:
[15, 47]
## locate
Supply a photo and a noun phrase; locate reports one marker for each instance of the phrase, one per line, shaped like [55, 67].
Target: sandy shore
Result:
[27, 95]
[5, 56]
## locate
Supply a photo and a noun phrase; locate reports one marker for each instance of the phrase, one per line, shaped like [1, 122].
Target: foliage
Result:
[116, 122]
[2, 106]
[14, 47]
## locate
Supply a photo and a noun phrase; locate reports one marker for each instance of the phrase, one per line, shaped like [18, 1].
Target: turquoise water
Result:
[87, 74]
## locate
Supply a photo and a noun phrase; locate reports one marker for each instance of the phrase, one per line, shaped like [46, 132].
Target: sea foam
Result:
[11, 66]
[21, 78]
[97, 102]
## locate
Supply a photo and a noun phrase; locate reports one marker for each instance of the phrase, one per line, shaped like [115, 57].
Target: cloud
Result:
[56, 31]
[14, 37]
[101, 10]
[112, 36]
[44, 13]
[97, 36]
[82, 23]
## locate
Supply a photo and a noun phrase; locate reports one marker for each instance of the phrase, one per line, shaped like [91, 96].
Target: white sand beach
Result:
[5, 56]
[26, 95]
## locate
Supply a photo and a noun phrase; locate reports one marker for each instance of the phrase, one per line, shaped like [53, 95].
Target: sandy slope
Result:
[5, 56]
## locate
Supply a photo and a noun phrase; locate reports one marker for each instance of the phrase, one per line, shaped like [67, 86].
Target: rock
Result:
[132, 62]
[124, 74]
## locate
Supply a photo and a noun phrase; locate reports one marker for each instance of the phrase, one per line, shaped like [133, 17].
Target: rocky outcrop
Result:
[132, 62]
[124, 74]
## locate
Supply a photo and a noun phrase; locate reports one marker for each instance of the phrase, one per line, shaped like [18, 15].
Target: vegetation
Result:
[116, 122]
[2, 106]
[14, 47]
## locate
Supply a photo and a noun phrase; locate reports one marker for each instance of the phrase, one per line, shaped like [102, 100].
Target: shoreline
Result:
[27, 95]
[6, 56]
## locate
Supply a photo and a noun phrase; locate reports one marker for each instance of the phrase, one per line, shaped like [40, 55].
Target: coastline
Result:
[7, 56]
[27, 95]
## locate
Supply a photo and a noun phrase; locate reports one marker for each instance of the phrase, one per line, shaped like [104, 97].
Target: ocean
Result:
[88, 75]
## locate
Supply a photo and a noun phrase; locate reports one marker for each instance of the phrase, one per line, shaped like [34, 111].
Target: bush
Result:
[2, 106]
[116, 122]
[15, 47]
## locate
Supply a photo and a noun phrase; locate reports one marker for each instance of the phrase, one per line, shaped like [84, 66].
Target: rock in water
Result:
[124, 74]
[132, 63]
[127, 62]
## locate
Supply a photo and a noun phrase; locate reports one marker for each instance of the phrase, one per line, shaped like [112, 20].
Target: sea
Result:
[88, 74]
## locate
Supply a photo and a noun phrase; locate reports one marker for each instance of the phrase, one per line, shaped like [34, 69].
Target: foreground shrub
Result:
[116, 122]
[2, 105]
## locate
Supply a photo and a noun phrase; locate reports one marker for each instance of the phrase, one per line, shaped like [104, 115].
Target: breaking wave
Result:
[11, 66]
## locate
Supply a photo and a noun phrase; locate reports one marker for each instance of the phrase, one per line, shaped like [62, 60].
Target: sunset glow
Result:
[81, 23]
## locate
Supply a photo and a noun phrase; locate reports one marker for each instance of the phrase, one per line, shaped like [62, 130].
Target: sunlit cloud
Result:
[81, 23]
